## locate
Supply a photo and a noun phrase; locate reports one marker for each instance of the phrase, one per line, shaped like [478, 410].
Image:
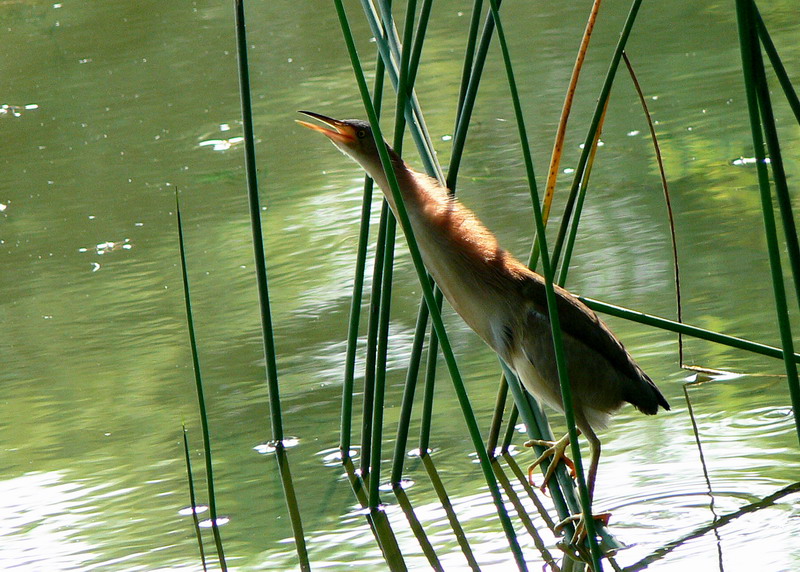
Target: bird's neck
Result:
[461, 254]
[412, 184]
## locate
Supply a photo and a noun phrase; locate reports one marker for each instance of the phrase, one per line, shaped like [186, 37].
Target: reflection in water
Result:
[43, 517]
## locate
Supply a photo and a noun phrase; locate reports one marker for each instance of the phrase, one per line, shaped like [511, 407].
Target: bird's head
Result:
[353, 137]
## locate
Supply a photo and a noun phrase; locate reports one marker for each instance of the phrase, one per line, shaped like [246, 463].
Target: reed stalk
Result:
[193, 498]
[758, 107]
[201, 401]
[555, 324]
[416, 257]
[267, 334]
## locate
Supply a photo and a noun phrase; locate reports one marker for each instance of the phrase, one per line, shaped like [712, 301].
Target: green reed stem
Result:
[358, 287]
[409, 61]
[470, 79]
[419, 40]
[255, 223]
[513, 417]
[409, 390]
[267, 335]
[374, 308]
[778, 170]
[403, 89]
[555, 324]
[416, 257]
[212, 502]
[497, 418]
[388, 44]
[430, 382]
[777, 66]
[193, 499]
[354, 319]
[380, 374]
[573, 229]
[467, 97]
[373, 325]
[785, 206]
[594, 125]
[466, 70]
[679, 327]
[752, 67]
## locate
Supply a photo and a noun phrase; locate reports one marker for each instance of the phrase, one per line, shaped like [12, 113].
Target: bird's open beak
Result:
[343, 133]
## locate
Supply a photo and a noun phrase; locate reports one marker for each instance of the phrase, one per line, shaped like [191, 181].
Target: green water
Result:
[119, 104]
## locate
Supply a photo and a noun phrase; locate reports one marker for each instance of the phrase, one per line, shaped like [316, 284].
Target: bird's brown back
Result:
[583, 324]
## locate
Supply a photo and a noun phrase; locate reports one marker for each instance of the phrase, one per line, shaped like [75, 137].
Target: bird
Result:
[504, 302]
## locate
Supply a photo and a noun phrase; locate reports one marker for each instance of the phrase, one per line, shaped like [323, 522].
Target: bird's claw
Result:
[580, 527]
[556, 449]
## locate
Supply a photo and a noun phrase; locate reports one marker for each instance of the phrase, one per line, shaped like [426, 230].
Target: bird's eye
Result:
[361, 133]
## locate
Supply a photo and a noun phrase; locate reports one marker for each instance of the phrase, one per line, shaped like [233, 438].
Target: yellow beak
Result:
[343, 133]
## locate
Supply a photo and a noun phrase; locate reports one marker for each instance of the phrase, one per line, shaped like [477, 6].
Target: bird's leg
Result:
[556, 449]
[580, 527]
[594, 448]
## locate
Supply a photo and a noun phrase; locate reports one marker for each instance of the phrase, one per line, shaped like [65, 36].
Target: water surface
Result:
[117, 106]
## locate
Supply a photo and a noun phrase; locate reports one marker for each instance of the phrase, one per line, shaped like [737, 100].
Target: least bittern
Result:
[504, 302]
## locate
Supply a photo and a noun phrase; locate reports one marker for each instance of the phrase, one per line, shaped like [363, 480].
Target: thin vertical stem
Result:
[358, 289]
[751, 60]
[353, 321]
[555, 324]
[373, 321]
[192, 499]
[467, 99]
[573, 229]
[594, 125]
[387, 42]
[372, 342]
[778, 171]
[430, 385]
[558, 144]
[201, 400]
[263, 289]
[463, 398]
[513, 417]
[255, 223]
[667, 201]
[469, 57]
[409, 62]
[497, 418]
[380, 374]
[409, 390]
[777, 65]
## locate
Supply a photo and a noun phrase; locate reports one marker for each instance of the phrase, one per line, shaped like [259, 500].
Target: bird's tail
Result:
[645, 396]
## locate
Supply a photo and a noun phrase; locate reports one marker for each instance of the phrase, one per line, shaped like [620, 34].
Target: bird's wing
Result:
[581, 323]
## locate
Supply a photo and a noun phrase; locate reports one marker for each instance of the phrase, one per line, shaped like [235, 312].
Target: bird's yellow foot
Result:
[580, 527]
[556, 449]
